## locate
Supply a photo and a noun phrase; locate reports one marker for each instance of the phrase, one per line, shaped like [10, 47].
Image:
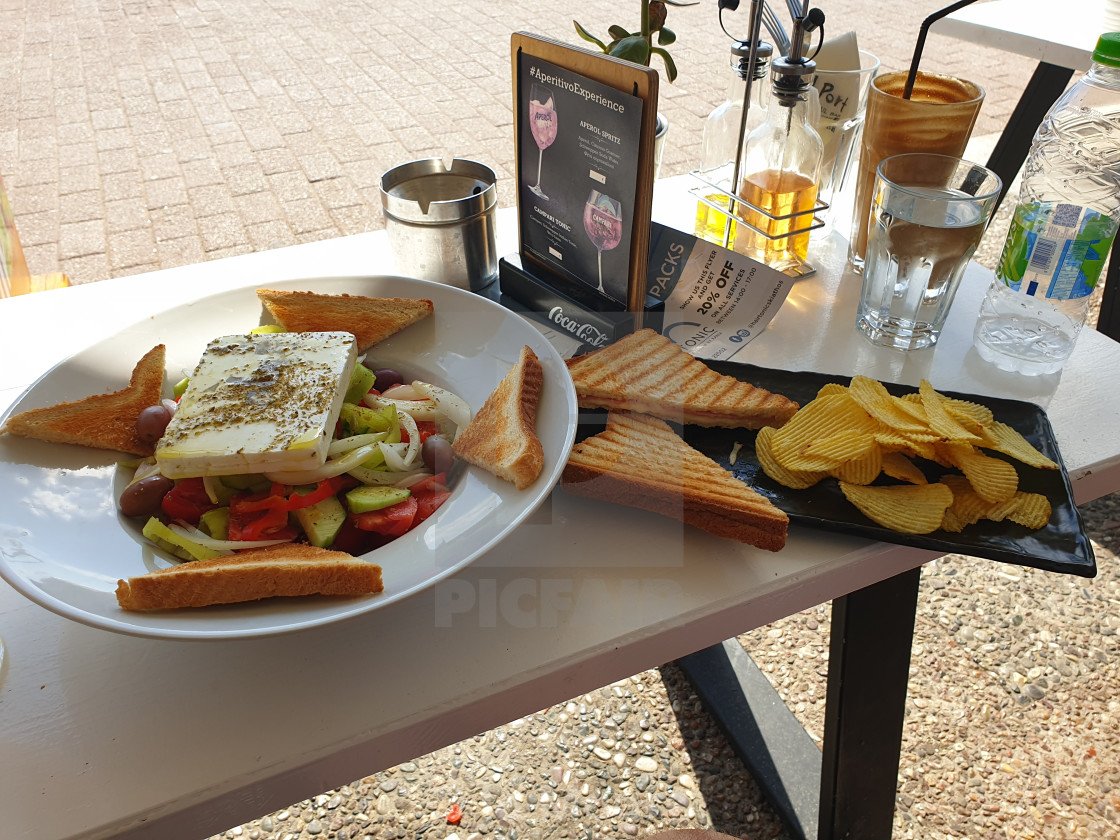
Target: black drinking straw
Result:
[922, 31]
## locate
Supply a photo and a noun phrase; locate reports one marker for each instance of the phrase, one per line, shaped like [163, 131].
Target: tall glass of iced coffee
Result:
[938, 117]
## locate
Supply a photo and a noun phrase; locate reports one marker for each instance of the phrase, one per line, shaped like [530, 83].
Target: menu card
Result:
[584, 126]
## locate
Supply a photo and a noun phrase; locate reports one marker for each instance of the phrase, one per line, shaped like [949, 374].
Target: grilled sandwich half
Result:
[646, 372]
[641, 462]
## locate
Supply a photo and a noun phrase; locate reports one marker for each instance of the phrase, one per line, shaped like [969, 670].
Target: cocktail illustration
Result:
[542, 122]
[602, 219]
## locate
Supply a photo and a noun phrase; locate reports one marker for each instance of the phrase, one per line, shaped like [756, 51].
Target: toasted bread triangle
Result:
[502, 436]
[289, 569]
[640, 461]
[103, 421]
[369, 319]
[646, 372]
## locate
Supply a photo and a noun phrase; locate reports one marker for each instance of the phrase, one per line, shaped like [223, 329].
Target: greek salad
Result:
[386, 471]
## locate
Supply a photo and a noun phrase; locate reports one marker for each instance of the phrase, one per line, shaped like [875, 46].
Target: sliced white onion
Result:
[330, 469]
[403, 392]
[170, 405]
[419, 409]
[144, 469]
[409, 425]
[452, 405]
[354, 441]
[384, 477]
[225, 546]
[209, 485]
[394, 456]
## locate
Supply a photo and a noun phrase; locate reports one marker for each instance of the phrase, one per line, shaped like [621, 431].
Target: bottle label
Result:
[1056, 251]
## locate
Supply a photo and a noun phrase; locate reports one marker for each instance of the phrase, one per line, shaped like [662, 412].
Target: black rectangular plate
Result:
[1062, 546]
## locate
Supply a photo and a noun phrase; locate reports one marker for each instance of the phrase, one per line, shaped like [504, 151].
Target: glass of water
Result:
[927, 215]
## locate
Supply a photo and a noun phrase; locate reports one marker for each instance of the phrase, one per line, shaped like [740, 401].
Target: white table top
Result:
[104, 735]
[1061, 35]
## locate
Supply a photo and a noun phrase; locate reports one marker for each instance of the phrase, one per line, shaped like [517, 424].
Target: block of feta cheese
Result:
[259, 403]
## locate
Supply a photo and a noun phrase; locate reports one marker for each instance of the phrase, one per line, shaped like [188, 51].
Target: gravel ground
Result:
[1012, 727]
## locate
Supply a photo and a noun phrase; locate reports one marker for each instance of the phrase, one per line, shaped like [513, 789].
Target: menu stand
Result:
[584, 141]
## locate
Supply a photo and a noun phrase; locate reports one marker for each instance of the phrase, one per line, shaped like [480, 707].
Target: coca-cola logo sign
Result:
[585, 332]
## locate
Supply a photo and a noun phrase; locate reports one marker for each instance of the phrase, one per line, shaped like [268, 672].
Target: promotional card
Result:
[584, 168]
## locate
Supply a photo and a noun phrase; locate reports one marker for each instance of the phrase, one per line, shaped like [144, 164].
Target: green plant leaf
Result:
[665, 37]
[587, 36]
[670, 67]
[618, 33]
[634, 48]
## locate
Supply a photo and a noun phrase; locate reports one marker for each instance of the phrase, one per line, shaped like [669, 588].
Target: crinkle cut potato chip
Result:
[907, 508]
[1008, 441]
[825, 453]
[993, 479]
[862, 470]
[897, 465]
[1031, 510]
[877, 401]
[858, 433]
[794, 479]
[940, 420]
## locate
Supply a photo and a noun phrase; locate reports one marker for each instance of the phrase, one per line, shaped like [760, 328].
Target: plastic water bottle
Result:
[1063, 226]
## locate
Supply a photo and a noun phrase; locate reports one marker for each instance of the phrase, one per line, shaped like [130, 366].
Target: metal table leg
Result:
[848, 790]
[868, 668]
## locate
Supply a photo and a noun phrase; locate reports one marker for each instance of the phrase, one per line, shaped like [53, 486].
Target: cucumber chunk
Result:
[182, 547]
[375, 497]
[322, 521]
[361, 380]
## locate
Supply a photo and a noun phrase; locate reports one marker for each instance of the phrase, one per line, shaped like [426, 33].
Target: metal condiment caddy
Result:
[792, 72]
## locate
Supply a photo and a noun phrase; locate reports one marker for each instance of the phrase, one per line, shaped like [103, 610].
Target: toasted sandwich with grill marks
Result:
[646, 372]
[641, 462]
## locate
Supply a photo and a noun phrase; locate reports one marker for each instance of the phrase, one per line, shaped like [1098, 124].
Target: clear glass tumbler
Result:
[928, 213]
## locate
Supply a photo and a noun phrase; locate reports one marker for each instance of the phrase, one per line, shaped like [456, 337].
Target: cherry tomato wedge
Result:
[284, 496]
[187, 501]
[429, 502]
[427, 428]
[432, 483]
[392, 521]
[429, 493]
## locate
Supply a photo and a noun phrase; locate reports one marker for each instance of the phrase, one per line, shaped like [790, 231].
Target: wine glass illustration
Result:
[602, 219]
[542, 122]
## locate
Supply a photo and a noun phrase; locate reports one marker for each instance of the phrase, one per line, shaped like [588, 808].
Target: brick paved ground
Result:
[138, 134]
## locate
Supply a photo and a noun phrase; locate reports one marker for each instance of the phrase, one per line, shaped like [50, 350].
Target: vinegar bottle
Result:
[781, 168]
[1062, 229]
[721, 138]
